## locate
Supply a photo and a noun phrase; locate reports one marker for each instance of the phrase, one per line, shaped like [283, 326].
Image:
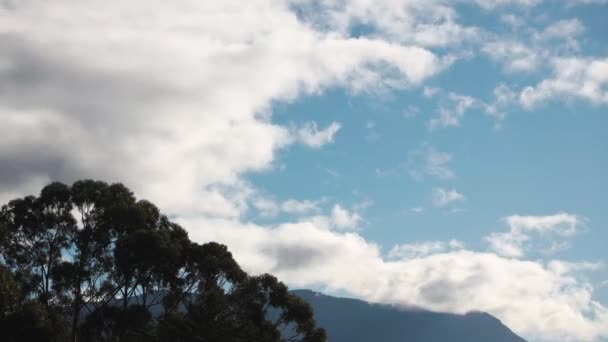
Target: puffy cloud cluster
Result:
[430, 23]
[554, 54]
[579, 78]
[522, 228]
[169, 98]
[543, 301]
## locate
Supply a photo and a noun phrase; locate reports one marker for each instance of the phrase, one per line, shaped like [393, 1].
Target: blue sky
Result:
[384, 150]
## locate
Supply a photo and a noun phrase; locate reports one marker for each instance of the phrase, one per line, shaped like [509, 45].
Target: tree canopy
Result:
[90, 262]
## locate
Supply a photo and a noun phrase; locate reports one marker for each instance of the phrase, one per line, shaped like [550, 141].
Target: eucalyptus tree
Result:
[93, 250]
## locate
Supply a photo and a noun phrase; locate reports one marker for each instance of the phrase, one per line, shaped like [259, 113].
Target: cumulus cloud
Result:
[344, 219]
[573, 78]
[443, 197]
[545, 301]
[522, 228]
[185, 101]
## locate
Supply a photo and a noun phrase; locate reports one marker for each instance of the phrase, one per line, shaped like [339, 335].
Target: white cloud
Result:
[342, 219]
[409, 251]
[521, 228]
[311, 136]
[430, 92]
[514, 55]
[540, 301]
[410, 112]
[491, 4]
[451, 116]
[265, 206]
[573, 78]
[372, 133]
[504, 99]
[563, 29]
[453, 107]
[531, 50]
[455, 244]
[293, 206]
[508, 244]
[268, 208]
[425, 23]
[587, 2]
[562, 224]
[185, 100]
[437, 164]
[443, 197]
[513, 20]
[428, 161]
[422, 249]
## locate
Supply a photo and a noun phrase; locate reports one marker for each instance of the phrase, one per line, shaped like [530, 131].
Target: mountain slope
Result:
[350, 320]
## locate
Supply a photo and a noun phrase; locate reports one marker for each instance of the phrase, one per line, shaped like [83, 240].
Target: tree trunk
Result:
[75, 322]
[76, 313]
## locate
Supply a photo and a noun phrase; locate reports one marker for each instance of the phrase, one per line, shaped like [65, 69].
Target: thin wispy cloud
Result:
[443, 197]
[427, 161]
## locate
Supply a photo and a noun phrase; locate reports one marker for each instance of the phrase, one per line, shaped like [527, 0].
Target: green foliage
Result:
[23, 319]
[90, 262]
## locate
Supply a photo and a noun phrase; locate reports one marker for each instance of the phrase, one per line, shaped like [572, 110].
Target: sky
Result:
[449, 155]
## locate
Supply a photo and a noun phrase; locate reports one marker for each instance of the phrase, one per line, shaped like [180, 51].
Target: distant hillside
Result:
[350, 320]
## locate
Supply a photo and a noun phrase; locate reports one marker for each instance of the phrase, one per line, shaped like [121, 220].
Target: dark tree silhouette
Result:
[90, 262]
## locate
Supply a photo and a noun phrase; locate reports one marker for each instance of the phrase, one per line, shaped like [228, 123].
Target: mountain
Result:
[351, 320]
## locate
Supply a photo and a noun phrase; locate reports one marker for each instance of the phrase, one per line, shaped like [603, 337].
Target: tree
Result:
[38, 232]
[93, 250]
[225, 304]
[23, 319]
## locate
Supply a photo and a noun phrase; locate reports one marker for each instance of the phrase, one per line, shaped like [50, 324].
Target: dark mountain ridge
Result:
[352, 320]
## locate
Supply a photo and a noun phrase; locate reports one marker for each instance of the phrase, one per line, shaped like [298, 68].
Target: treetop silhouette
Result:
[90, 262]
